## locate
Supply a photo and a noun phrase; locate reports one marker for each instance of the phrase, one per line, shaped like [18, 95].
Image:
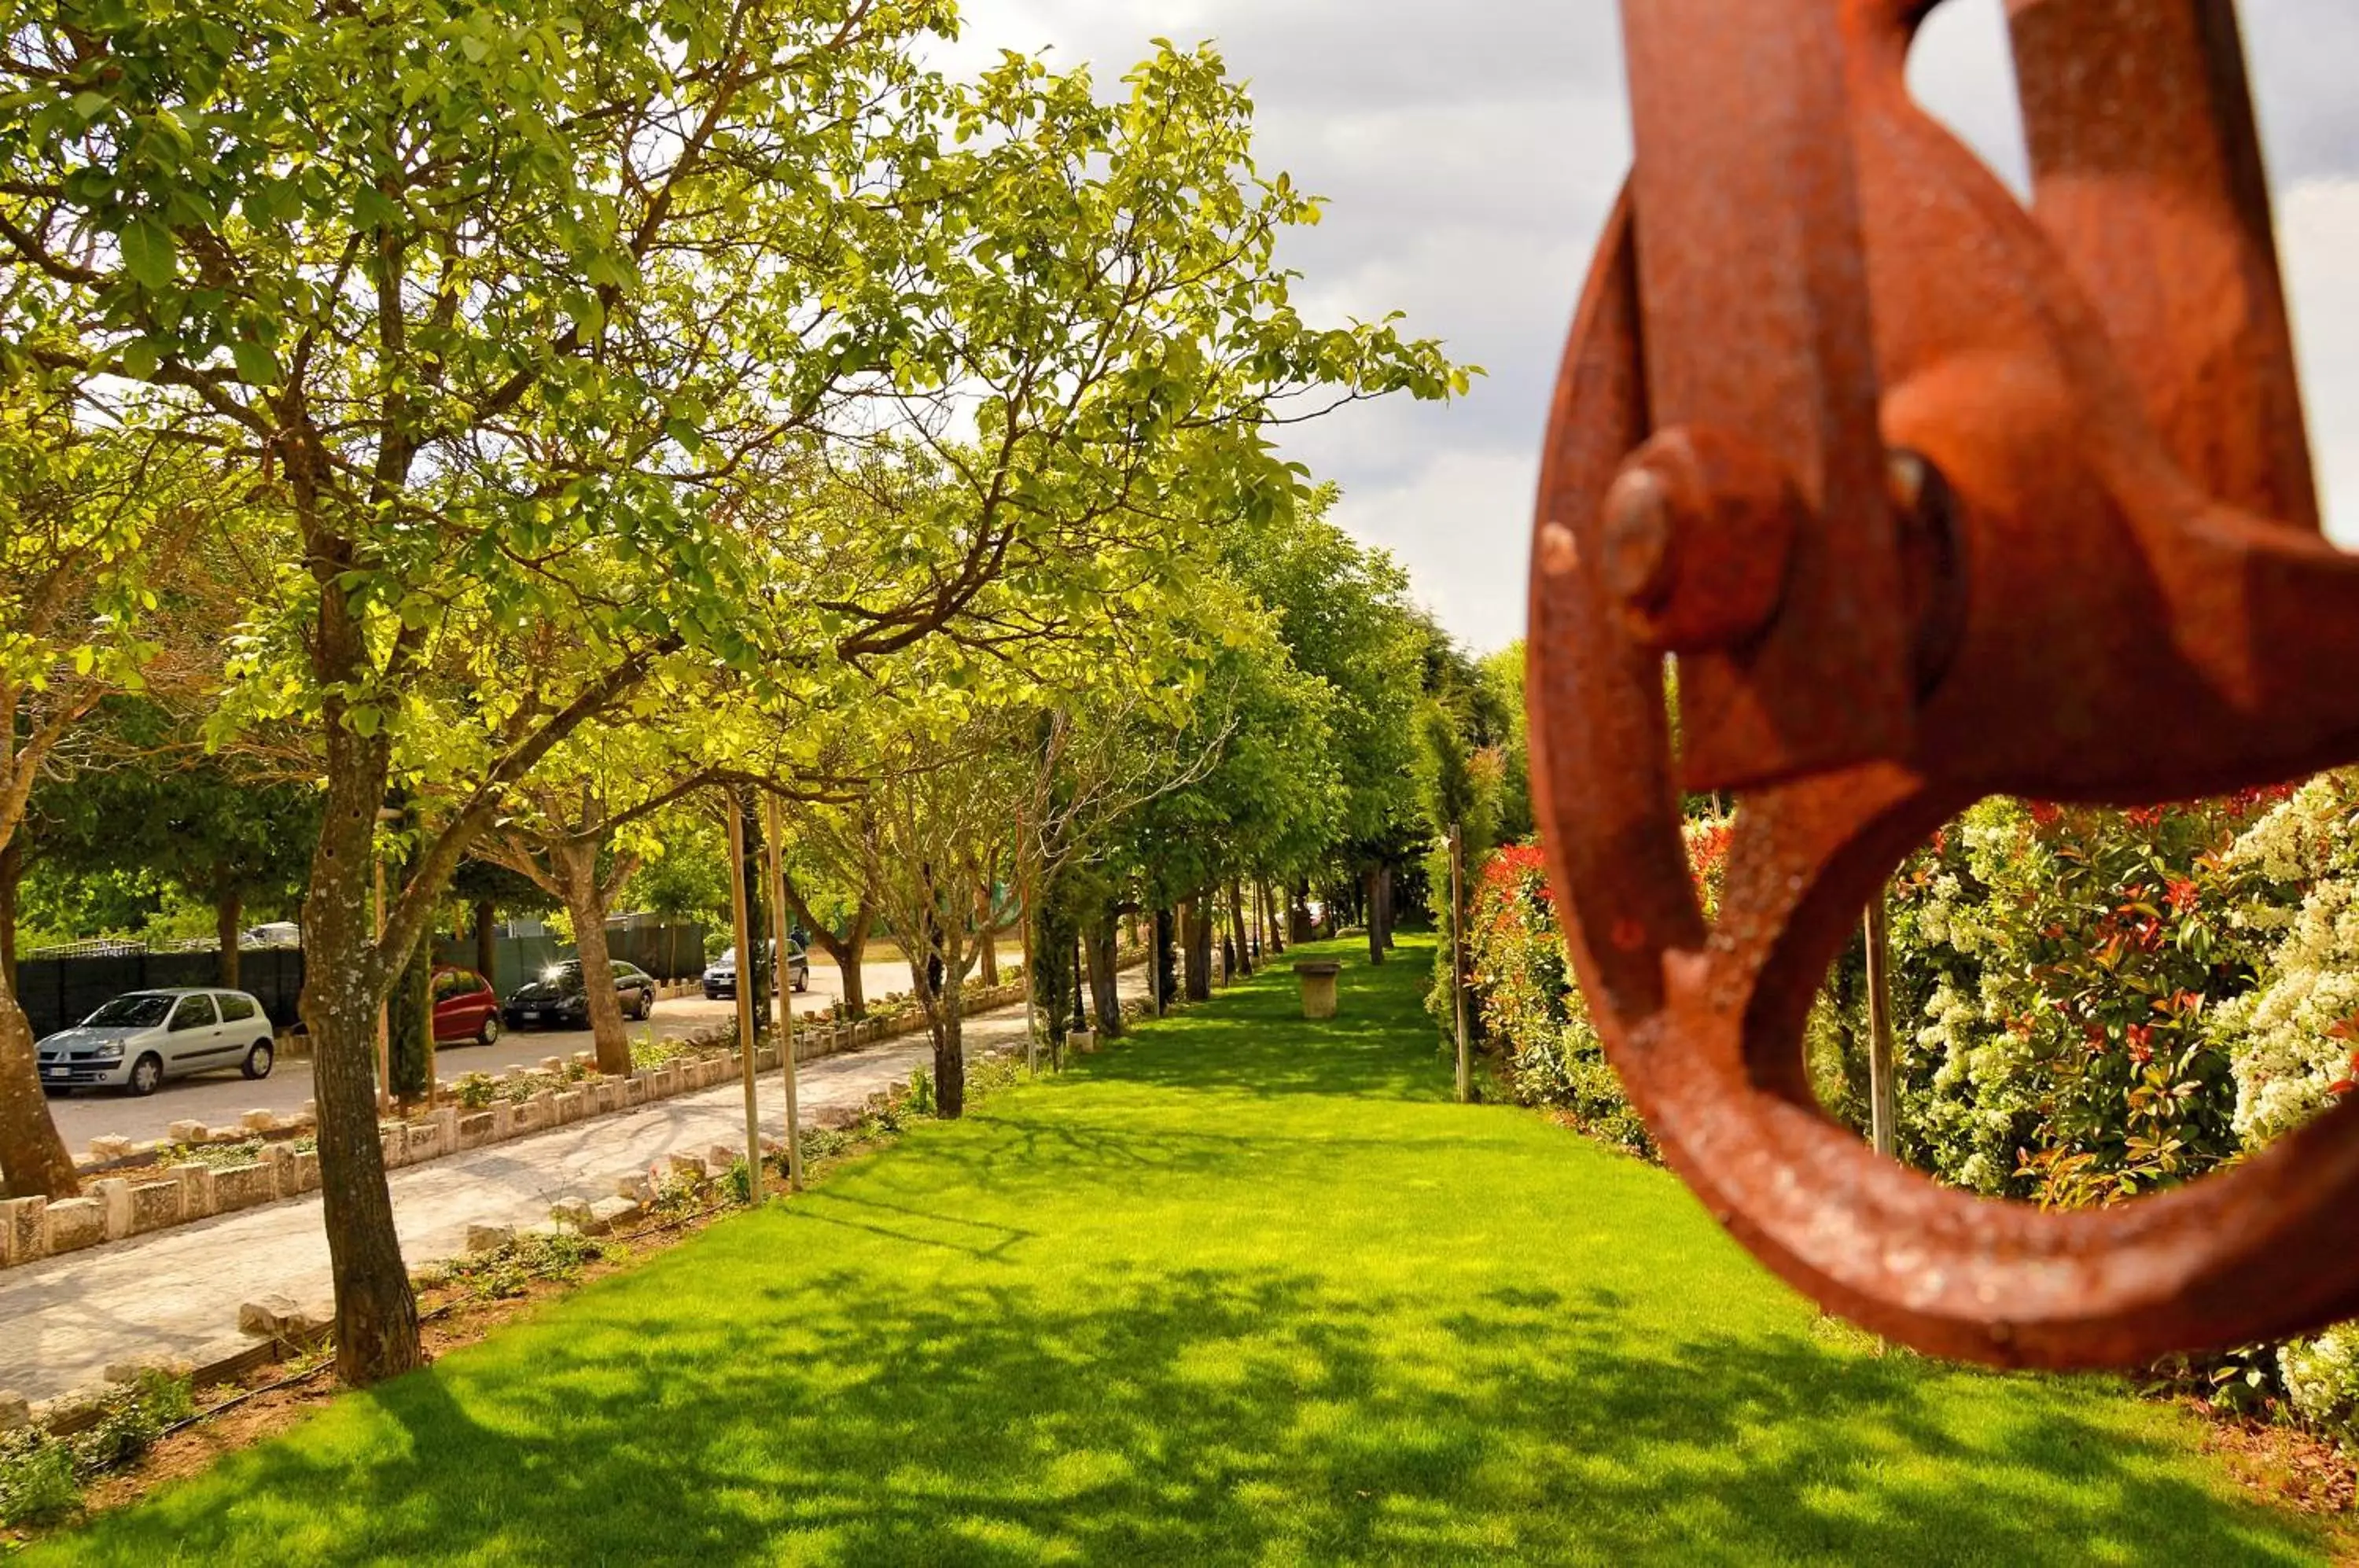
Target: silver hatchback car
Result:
[142, 1037]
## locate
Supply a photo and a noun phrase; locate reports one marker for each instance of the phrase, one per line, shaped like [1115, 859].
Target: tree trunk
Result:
[940, 990]
[12, 872]
[989, 925]
[847, 951]
[409, 1043]
[1241, 962]
[1165, 960]
[376, 1315]
[1196, 931]
[1384, 911]
[755, 974]
[576, 864]
[1374, 929]
[487, 940]
[848, 959]
[950, 1065]
[33, 1158]
[229, 905]
[1297, 914]
[1105, 977]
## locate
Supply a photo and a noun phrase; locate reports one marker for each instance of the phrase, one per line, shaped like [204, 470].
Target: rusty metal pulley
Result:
[1931, 497]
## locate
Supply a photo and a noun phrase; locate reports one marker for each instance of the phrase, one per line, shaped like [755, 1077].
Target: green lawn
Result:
[1244, 1290]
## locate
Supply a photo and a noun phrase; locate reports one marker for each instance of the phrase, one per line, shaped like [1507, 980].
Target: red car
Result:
[465, 1008]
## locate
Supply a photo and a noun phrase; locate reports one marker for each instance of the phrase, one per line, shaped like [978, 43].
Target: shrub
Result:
[2061, 967]
[131, 1420]
[475, 1092]
[38, 1485]
[41, 1476]
[510, 1271]
[1530, 1010]
[2321, 1378]
[650, 1050]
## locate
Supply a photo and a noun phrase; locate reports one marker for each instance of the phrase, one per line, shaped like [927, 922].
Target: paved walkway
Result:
[176, 1293]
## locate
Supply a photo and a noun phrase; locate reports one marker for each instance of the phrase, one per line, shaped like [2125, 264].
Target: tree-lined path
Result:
[1244, 1290]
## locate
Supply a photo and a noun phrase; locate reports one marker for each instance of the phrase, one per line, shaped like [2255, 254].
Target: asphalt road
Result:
[218, 1099]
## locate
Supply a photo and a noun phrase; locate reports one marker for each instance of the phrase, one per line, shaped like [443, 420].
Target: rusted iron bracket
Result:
[1930, 497]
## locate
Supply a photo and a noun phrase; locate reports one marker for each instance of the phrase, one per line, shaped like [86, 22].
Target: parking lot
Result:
[220, 1098]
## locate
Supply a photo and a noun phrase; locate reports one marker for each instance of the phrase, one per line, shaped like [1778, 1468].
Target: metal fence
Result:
[60, 992]
[666, 951]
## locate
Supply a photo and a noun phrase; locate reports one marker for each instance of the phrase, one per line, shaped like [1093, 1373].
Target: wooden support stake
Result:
[1031, 998]
[384, 1008]
[1882, 1104]
[748, 966]
[778, 925]
[1458, 960]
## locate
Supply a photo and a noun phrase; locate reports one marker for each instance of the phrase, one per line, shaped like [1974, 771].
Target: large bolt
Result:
[1640, 539]
[1697, 533]
[1560, 551]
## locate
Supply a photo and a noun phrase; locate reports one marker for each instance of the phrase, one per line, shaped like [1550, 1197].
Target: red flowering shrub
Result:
[1531, 1007]
[2055, 969]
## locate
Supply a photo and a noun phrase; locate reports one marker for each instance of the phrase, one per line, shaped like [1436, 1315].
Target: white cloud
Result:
[1471, 151]
[2318, 234]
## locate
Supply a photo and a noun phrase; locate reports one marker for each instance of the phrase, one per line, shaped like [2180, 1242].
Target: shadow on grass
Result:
[1046, 1337]
[1203, 1416]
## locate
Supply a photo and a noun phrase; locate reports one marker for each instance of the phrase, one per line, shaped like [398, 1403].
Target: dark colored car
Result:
[466, 1009]
[557, 1000]
[721, 976]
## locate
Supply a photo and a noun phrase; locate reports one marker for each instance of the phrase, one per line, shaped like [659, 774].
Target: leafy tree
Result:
[580, 830]
[840, 916]
[448, 284]
[482, 889]
[85, 514]
[214, 828]
[534, 323]
[1346, 618]
[938, 807]
[1501, 676]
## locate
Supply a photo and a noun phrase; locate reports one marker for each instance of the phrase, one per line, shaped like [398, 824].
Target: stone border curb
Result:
[149, 1199]
[276, 1328]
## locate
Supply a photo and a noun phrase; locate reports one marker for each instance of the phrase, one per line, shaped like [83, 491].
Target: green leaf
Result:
[256, 363]
[148, 253]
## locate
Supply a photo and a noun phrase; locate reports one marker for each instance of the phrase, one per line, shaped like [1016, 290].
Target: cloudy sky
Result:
[1470, 149]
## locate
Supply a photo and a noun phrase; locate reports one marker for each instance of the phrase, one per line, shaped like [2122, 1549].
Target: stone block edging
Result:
[146, 1197]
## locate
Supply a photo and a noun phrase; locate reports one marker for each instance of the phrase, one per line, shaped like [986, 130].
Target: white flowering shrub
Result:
[2054, 970]
[2293, 1038]
[2321, 1378]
